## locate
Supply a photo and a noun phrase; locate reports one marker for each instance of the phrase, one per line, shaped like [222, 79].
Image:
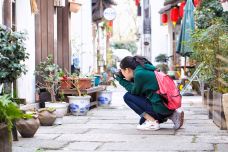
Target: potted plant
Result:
[9, 112]
[48, 73]
[104, 97]
[210, 45]
[65, 80]
[27, 127]
[162, 59]
[47, 116]
[79, 105]
[12, 54]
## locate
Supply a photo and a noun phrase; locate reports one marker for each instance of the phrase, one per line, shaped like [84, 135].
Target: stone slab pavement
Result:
[113, 128]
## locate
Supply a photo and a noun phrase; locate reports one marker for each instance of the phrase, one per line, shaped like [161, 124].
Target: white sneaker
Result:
[149, 125]
[177, 119]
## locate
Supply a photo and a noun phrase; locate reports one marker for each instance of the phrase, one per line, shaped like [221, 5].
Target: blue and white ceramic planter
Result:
[79, 105]
[104, 98]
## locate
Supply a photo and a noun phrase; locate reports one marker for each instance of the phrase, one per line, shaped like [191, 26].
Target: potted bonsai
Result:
[162, 59]
[12, 54]
[47, 116]
[79, 105]
[65, 80]
[48, 75]
[9, 112]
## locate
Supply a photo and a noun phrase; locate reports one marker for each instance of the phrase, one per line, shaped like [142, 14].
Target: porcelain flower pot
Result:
[79, 105]
[47, 116]
[28, 127]
[104, 98]
[61, 110]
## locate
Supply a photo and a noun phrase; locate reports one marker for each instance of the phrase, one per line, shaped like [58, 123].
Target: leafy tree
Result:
[207, 44]
[207, 11]
[12, 53]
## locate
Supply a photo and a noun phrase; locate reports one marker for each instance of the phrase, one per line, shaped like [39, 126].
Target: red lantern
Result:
[174, 15]
[137, 2]
[181, 9]
[196, 2]
[110, 23]
[164, 18]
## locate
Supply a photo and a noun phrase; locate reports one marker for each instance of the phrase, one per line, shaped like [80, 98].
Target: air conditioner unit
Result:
[60, 3]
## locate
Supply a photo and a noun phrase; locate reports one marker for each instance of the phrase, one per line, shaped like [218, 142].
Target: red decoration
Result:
[164, 18]
[174, 15]
[137, 2]
[196, 3]
[181, 9]
[110, 23]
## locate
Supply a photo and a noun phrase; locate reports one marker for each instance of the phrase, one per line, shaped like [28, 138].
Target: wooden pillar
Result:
[44, 29]
[63, 38]
[7, 13]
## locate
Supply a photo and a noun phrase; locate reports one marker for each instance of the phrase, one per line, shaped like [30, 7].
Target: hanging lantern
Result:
[181, 9]
[164, 18]
[110, 23]
[174, 15]
[196, 3]
[137, 2]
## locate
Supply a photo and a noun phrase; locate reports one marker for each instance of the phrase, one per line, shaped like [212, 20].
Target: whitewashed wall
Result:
[159, 33]
[81, 28]
[25, 21]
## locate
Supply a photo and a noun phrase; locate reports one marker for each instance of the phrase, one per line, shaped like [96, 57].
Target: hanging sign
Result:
[109, 14]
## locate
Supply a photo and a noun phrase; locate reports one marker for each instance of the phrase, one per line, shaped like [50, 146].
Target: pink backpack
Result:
[168, 90]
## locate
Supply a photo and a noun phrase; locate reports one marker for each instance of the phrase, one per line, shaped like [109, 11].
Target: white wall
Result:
[159, 33]
[81, 27]
[25, 21]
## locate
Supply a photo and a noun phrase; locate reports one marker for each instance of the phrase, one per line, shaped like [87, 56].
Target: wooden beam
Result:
[7, 13]
[38, 34]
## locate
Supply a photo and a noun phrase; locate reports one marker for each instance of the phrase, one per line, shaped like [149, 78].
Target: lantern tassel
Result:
[174, 24]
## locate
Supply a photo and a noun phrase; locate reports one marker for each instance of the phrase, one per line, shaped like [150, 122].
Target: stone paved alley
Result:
[114, 129]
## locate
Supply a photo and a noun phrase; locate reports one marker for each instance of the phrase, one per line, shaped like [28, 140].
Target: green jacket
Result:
[145, 83]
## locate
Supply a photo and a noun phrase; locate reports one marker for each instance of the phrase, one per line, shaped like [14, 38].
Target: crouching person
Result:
[138, 78]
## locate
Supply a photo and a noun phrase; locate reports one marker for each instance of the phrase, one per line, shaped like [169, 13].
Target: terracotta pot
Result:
[84, 83]
[74, 6]
[28, 127]
[5, 139]
[65, 83]
[47, 117]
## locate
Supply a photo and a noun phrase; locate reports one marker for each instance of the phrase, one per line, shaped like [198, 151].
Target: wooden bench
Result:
[93, 92]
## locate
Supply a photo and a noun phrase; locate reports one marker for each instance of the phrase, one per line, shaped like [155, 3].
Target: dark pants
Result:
[141, 106]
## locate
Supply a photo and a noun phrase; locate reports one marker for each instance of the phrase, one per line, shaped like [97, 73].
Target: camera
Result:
[117, 73]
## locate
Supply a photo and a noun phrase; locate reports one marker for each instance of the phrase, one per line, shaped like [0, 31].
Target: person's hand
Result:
[117, 77]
